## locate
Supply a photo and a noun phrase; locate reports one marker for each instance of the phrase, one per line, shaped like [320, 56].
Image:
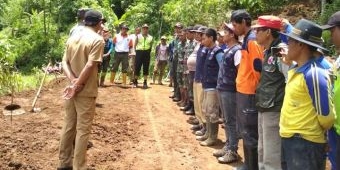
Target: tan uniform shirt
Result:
[87, 45]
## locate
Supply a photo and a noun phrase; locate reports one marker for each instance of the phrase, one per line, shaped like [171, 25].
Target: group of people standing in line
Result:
[271, 83]
[275, 89]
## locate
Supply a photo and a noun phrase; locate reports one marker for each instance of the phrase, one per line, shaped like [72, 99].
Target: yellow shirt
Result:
[87, 45]
[307, 108]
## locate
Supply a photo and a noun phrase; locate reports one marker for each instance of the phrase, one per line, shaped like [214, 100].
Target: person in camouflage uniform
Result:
[189, 48]
[180, 52]
[174, 61]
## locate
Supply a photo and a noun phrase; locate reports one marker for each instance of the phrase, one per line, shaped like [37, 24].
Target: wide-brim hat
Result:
[333, 21]
[268, 21]
[307, 32]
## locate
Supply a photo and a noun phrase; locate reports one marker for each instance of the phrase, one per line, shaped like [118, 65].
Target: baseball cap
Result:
[229, 26]
[221, 33]
[268, 21]
[189, 28]
[125, 27]
[163, 37]
[333, 21]
[145, 26]
[201, 29]
[92, 17]
[178, 25]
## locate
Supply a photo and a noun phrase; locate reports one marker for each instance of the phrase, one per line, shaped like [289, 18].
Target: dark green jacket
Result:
[270, 90]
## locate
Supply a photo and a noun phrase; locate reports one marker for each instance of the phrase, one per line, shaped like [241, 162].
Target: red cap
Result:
[269, 21]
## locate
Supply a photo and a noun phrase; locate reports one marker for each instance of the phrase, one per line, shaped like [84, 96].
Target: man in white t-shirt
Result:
[162, 54]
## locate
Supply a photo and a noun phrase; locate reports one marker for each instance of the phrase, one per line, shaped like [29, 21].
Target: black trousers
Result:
[142, 59]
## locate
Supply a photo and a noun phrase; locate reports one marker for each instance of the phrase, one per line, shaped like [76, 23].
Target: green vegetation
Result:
[33, 32]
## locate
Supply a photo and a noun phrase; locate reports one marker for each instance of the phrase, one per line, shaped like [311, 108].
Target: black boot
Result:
[253, 159]
[186, 107]
[245, 159]
[135, 83]
[145, 84]
[191, 110]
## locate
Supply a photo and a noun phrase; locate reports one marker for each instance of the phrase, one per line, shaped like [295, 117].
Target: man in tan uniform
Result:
[82, 54]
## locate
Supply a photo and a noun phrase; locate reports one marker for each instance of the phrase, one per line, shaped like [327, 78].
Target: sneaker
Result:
[229, 157]
[145, 85]
[220, 152]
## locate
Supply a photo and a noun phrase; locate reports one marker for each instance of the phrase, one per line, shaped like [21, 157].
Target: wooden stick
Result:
[41, 84]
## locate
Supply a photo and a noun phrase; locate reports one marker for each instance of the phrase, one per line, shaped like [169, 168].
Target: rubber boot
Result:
[145, 84]
[154, 78]
[124, 79]
[102, 78]
[246, 159]
[186, 107]
[206, 134]
[212, 138]
[202, 131]
[253, 159]
[160, 79]
[191, 110]
[112, 78]
[135, 83]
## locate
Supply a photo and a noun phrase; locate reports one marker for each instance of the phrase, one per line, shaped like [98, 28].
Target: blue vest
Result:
[201, 55]
[210, 69]
[227, 74]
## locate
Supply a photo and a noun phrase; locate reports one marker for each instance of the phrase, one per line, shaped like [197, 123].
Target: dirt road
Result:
[134, 129]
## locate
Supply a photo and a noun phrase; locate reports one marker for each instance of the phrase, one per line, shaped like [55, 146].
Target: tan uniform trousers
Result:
[210, 106]
[76, 131]
[198, 101]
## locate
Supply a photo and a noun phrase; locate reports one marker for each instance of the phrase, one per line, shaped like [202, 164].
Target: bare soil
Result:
[134, 129]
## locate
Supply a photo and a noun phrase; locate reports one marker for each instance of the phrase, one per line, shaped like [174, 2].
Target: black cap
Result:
[93, 17]
[81, 13]
[240, 14]
[333, 21]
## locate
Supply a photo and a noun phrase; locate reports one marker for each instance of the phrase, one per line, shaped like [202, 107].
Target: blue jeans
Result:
[300, 154]
[247, 117]
[227, 102]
